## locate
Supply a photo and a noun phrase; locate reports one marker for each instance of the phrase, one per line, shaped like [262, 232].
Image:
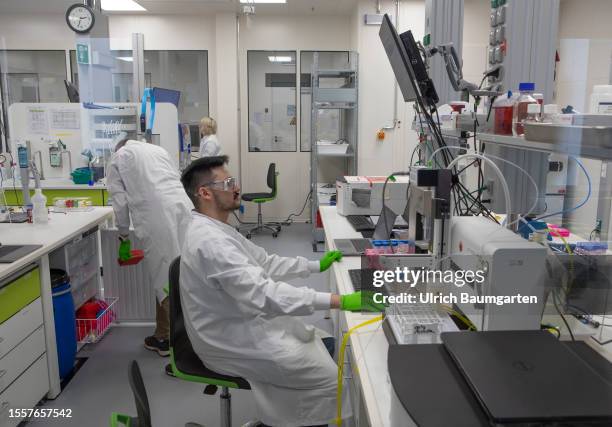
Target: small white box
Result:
[362, 195]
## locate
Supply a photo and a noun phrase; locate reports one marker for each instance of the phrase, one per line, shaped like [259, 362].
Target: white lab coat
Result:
[143, 181]
[242, 321]
[209, 146]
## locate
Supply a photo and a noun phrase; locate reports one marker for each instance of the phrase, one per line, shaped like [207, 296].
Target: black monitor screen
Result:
[398, 59]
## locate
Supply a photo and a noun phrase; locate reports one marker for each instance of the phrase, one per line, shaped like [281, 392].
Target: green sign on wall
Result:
[82, 53]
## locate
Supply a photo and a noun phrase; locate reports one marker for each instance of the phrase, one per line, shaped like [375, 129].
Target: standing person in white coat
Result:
[240, 316]
[209, 144]
[144, 183]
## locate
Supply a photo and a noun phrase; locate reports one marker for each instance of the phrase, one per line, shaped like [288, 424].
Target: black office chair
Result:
[259, 199]
[186, 364]
[140, 398]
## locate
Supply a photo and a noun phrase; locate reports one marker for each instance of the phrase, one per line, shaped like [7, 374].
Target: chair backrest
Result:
[271, 180]
[179, 340]
[140, 395]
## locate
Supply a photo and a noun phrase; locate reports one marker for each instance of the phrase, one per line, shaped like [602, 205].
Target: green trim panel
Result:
[15, 198]
[195, 379]
[18, 293]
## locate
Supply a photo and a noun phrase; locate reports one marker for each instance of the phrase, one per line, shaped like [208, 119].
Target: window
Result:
[272, 100]
[32, 76]
[329, 120]
[185, 71]
[182, 70]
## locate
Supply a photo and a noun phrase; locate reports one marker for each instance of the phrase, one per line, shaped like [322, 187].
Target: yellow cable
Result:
[460, 316]
[345, 339]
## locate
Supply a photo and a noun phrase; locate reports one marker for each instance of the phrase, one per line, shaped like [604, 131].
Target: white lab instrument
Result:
[144, 183]
[601, 99]
[513, 266]
[363, 195]
[242, 319]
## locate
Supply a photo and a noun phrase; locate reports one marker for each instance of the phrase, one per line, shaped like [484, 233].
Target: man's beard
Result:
[226, 206]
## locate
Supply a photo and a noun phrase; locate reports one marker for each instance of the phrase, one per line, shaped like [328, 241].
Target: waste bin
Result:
[65, 321]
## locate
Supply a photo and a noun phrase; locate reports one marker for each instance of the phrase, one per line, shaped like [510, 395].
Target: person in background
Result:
[144, 183]
[243, 319]
[209, 144]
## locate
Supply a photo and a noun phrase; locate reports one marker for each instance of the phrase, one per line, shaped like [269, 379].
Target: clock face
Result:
[80, 18]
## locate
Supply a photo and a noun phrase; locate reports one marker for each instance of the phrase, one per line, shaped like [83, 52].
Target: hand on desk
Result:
[361, 301]
[328, 259]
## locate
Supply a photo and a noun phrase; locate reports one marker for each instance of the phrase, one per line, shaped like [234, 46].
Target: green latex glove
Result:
[361, 301]
[125, 250]
[328, 259]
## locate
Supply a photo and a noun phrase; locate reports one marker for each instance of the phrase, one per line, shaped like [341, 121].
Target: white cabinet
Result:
[19, 326]
[25, 392]
[21, 357]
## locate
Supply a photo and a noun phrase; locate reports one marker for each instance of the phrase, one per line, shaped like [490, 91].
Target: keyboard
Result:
[360, 222]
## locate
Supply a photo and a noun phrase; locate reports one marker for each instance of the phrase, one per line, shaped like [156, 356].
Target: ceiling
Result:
[293, 7]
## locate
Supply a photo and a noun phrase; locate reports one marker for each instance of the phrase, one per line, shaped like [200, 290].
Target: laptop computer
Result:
[529, 377]
[382, 231]
[11, 253]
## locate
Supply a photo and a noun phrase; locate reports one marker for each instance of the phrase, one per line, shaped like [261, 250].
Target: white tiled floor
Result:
[101, 386]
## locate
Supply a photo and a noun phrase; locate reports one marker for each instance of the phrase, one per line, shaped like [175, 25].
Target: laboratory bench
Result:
[28, 351]
[56, 187]
[366, 366]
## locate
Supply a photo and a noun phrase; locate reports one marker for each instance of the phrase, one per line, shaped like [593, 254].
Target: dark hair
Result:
[198, 172]
[121, 143]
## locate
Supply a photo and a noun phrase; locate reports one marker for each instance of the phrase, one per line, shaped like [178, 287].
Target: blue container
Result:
[65, 322]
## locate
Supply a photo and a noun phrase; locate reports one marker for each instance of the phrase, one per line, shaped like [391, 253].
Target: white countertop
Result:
[55, 184]
[60, 229]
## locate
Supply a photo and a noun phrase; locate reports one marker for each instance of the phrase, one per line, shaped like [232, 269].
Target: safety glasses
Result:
[228, 184]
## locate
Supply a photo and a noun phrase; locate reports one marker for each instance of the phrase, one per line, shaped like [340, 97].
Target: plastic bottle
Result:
[520, 107]
[40, 215]
[533, 114]
[503, 109]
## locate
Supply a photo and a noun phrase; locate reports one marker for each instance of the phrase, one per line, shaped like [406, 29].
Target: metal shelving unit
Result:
[332, 89]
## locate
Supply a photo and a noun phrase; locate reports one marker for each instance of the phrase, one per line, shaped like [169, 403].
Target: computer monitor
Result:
[396, 52]
[407, 64]
[167, 95]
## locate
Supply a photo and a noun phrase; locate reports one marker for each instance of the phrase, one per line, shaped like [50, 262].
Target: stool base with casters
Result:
[259, 226]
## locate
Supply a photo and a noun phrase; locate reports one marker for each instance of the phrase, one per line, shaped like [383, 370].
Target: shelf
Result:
[576, 148]
[335, 155]
[335, 107]
[335, 72]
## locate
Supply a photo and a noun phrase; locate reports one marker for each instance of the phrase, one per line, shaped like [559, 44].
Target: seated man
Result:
[242, 319]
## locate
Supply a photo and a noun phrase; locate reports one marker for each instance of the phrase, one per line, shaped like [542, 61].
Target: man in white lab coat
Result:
[143, 181]
[242, 319]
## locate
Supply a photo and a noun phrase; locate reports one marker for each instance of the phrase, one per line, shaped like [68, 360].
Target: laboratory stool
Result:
[140, 398]
[186, 364]
[259, 199]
